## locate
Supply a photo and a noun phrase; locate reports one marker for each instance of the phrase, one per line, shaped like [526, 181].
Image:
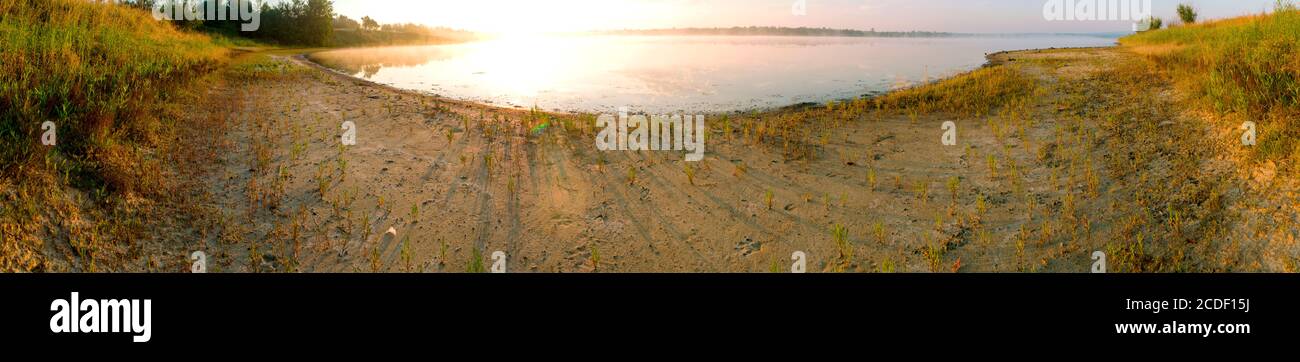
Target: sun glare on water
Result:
[518, 63]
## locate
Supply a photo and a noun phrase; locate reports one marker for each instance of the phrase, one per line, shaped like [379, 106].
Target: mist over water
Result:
[664, 74]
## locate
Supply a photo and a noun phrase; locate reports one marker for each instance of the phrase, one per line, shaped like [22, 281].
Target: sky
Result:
[961, 16]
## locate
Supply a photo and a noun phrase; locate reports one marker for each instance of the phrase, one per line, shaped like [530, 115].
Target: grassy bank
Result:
[1241, 69]
[108, 77]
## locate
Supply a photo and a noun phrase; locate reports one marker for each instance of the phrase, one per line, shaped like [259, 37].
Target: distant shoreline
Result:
[827, 32]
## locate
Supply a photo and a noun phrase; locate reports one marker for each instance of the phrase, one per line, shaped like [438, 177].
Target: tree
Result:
[1187, 13]
[1154, 23]
[317, 20]
[301, 22]
[343, 22]
[369, 24]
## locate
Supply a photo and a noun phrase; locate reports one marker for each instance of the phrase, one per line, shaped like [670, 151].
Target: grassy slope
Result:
[108, 76]
[1243, 69]
[1226, 73]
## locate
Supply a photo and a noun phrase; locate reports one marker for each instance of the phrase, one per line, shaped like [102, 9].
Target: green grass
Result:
[475, 262]
[1242, 68]
[109, 77]
[95, 70]
[840, 235]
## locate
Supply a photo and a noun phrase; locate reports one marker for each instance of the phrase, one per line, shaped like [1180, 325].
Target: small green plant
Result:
[1093, 183]
[595, 258]
[343, 168]
[365, 228]
[415, 213]
[475, 262]
[631, 175]
[322, 183]
[887, 266]
[726, 128]
[254, 258]
[993, 166]
[871, 178]
[878, 229]
[406, 252]
[690, 173]
[1175, 222]
[1068, 205]
[1020, 247]
[840, 235]
[375, 264]
[934, 254]
[442, 251]
[768, 195]
[954, 185]
[923, 191]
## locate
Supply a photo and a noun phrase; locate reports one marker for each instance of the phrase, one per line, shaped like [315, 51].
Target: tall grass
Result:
[1244, 67]
[106, 76]
[99, 72]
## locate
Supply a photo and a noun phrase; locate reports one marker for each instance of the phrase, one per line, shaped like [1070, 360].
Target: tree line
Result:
[311, 23]
[289, 22]
[367, 31]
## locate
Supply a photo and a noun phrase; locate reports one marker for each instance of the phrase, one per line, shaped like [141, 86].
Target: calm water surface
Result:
[675, 73]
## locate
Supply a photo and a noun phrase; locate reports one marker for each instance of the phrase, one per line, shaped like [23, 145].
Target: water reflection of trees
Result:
[370, 70]
[368, 61]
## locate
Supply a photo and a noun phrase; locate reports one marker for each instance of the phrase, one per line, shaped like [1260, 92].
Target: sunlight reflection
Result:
[670, 74]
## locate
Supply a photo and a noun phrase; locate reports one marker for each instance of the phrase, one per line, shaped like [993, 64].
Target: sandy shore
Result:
[457, 182]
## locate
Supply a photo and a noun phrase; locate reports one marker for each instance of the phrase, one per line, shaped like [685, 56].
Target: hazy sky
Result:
[975, 16]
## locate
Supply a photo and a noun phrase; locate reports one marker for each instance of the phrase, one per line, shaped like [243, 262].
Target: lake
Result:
[664, 74]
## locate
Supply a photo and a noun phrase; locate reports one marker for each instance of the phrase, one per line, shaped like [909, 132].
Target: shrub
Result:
[1155, 23]
[1187, 13]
